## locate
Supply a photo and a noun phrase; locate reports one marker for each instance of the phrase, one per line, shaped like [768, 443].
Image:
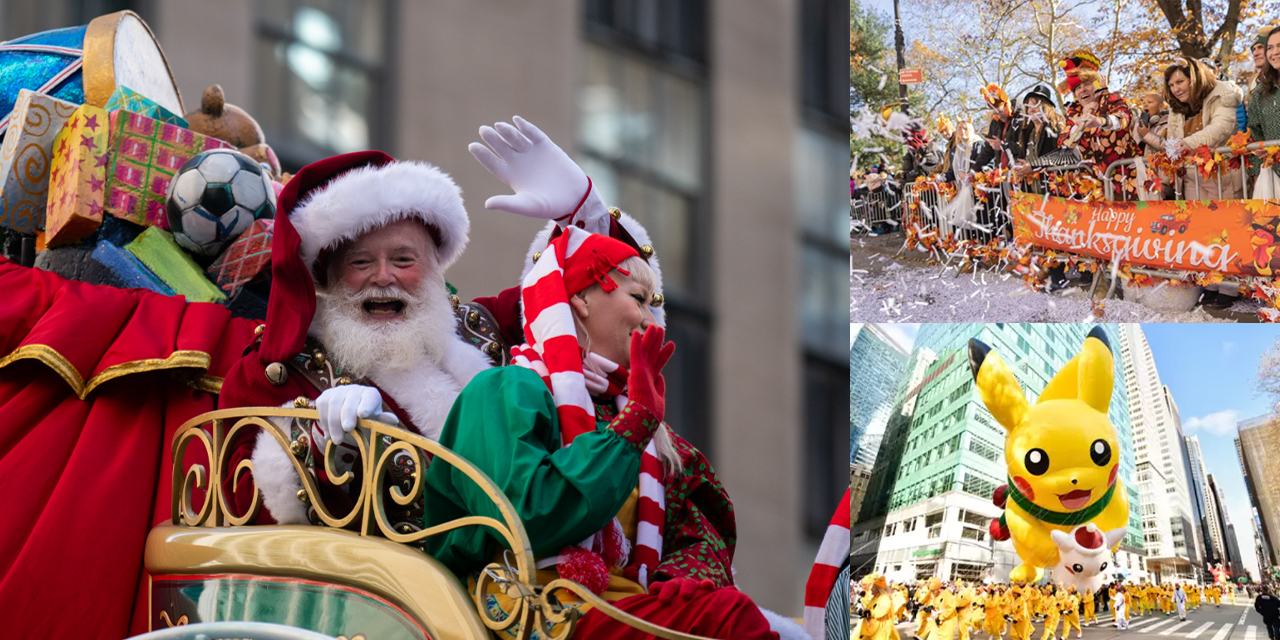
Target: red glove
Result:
[686, 588]
[649, 355]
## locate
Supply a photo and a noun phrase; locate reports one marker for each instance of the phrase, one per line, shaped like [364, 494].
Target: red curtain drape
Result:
[93, 384]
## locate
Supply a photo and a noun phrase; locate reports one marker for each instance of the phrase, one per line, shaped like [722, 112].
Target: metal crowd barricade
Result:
[1190, 183]
[878, 211]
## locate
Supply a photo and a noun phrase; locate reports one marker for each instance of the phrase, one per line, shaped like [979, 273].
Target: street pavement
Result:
[1227, 622]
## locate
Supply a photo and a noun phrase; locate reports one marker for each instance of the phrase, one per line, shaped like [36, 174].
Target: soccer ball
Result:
[214, 197]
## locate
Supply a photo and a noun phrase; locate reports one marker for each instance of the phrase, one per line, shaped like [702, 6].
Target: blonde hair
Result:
[641, 273]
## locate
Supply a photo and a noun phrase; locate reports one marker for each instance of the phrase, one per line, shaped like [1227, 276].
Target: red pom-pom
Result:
[585, 568]
[1000, 496]
[998, 530]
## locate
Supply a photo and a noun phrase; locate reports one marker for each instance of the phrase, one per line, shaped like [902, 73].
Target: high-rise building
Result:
[859, 477]
[1259, 446]
[1210, 532]
[1230, 557]
[1170, 526]
[1262, 538]
[1236, 564]
[928, 503]
[872, 384]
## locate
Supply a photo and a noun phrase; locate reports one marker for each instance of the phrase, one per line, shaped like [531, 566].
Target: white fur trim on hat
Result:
[369, 197]
[637, 231]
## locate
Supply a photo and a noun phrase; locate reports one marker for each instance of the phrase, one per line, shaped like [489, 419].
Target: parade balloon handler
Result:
[573, 434]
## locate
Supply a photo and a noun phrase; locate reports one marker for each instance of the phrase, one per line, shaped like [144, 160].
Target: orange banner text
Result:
[1240, 237]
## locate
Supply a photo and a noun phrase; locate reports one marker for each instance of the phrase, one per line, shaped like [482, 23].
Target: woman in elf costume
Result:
[573, 434]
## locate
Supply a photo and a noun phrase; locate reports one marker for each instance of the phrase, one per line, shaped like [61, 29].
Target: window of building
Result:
[933, 519]
[974, 518]
[642, 133]
[969, 533]
[909, 525]
[321, 77]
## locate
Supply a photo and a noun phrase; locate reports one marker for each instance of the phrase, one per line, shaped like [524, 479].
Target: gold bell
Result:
[453, 300]
[473, 319]
[493, 350]
[615, 213]
[303, 497]
[276, 374]
[299, 446]
[343, 381]
[257, 331]
[646, 252]
[536, 256]
[302, 402]
[657, 300]
[317, 358]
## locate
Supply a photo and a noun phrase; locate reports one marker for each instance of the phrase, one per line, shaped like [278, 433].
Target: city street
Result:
[1228, 622]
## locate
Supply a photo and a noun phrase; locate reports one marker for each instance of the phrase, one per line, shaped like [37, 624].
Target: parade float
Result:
[114, 455]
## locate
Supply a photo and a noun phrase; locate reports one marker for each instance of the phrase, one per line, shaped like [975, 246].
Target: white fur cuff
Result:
[278, 481]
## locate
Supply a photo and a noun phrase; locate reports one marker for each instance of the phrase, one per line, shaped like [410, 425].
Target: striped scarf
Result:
[551, 350]
[833, 553]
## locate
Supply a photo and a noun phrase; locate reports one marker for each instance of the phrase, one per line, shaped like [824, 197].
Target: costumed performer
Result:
[573, 435]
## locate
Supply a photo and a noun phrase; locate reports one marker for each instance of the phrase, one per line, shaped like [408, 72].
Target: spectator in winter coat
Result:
[1268, 606]
[1202, 113]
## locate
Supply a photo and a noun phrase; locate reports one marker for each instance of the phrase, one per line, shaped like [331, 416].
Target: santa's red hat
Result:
[336, 200]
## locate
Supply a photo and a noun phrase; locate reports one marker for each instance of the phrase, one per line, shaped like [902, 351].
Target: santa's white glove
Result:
[340, 407]
[547, 183]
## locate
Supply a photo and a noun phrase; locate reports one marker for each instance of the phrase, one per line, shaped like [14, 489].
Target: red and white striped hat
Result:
[573, 261]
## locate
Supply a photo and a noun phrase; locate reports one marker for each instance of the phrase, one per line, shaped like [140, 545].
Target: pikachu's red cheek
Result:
[1024, 487]
[1112, 478]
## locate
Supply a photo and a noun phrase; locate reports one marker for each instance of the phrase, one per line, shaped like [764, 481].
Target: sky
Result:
[1211, 369]
[904, 333]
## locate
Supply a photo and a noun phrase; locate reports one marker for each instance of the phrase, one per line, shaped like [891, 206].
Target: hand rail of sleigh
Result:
[534, 604]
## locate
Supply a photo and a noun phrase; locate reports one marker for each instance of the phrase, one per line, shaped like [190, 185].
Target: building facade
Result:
[723, 130]
[1205, 503]
[1231, 559]
[928, 504]
[1261, 538]
[1170, 524]
[872, 384]
[1259, 449]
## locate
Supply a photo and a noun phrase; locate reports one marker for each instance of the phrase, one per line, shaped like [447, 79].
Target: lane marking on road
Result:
[1223, 632]
[1157, 625]
[1199, 630]
[1251, 633]
[1170, 630]
[1137, 622]
[1242, 616]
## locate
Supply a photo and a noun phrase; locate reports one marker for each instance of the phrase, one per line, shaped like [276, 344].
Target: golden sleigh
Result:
[349, 577]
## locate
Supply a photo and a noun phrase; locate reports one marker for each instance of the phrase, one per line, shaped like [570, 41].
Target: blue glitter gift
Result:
[32, 62]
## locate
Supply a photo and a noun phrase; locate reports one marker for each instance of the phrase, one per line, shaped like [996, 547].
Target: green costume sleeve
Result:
[505, 423]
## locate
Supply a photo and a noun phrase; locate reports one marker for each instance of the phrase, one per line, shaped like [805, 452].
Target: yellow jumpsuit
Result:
[947, 615]
[924, 617]
[1090, 609]
[879, 625]
[964, 612]
[1052, 615]
[1071, 618]
[996, 608]
[1020, 623]
[1232, 588]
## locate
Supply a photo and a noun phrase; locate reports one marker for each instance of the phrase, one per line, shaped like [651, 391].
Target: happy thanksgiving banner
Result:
[1227, 236]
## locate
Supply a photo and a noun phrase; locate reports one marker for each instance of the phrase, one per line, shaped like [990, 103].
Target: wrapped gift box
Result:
[130, 100]
[156, 249]
[25, 159]
[247, 257]
[145, 153]
[78, 177]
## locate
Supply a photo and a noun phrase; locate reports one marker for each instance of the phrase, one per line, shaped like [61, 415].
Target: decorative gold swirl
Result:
[32, 169]
[533, 606]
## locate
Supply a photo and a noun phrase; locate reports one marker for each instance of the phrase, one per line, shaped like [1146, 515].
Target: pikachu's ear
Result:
[996, 383]
[1096, 371]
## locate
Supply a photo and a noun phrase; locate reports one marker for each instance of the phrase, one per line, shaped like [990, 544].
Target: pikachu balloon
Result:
[1061, 454]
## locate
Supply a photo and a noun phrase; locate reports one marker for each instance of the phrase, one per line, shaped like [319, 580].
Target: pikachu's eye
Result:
[1037, 462]
[1100, 451]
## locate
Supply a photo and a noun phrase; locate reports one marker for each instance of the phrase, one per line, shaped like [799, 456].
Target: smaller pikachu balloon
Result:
[1061, 454]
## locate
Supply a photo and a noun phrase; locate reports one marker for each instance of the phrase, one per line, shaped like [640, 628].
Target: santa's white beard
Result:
[363, 346]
